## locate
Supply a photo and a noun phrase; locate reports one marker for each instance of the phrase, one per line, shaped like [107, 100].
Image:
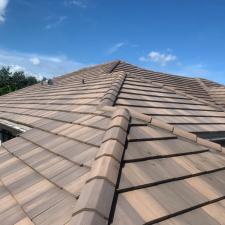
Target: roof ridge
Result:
[179, 92]
[103, 176]
[158, 72]
[169, 74]
[112, 93]
[207, 89]
[211, 81]
[202, 84]
[114, 62]
[117, 62]
[171, 128]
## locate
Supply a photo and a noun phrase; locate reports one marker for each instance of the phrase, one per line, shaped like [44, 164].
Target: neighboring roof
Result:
[109, 145]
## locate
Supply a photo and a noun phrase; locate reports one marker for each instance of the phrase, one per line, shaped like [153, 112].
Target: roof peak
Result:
[114, 63]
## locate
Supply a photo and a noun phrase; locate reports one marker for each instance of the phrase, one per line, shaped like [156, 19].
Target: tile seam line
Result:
[162, 101]
[42, 176]
[75, 92]
[70, 138]
[7, 189]
[165, 156]
[58, 155]
[63, 91]
[52, 103]
[169, 180]
[53, 119]
[161, 219]
[172, 129]
[53, 110]
[153, 95]
[164, 107]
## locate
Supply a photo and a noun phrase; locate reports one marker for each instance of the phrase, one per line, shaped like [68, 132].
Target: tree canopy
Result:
[12, 81]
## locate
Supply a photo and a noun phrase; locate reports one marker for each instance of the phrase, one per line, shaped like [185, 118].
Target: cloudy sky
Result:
[52, 37]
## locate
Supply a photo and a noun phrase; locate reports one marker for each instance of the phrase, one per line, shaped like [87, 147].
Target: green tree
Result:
[5, 76]
[13, 81]
[31, 80]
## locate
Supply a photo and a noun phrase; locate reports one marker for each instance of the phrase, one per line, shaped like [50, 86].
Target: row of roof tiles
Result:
[107, 164]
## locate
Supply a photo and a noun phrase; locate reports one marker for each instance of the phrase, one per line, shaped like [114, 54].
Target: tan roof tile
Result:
[132, 160]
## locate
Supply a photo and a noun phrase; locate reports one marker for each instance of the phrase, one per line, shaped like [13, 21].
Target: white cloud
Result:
[14, 68]
[3, 5]
[35, 60]
[56, 23]
[115, 47]
[54, 59]
[195, 70]
[79, 3]
[160, 58]
[39, 65]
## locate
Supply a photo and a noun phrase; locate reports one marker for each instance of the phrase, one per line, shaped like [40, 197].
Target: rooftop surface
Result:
[114, 144]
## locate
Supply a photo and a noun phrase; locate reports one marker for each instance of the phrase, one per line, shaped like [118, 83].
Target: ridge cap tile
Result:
[185, 134]
[123, 112]
[209, 144]
[87, 218]
[98, 192]
[161, 124]
[111, 148]
[115, 133]
[96, 196]
[106, 168]
[112, 93]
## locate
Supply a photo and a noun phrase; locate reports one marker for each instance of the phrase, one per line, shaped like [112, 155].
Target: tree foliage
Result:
[12, 81]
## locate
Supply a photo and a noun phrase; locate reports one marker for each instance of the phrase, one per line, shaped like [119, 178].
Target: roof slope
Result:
[218, 94]
[186, 84]
[111, 147]
[166, 178]
[45, 168]
[170, 106]
[197, 87]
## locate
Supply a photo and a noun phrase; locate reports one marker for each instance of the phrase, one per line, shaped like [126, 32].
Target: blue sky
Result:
[52, 37]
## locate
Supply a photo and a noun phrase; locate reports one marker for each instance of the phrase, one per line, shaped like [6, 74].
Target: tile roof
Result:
[113, 144]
